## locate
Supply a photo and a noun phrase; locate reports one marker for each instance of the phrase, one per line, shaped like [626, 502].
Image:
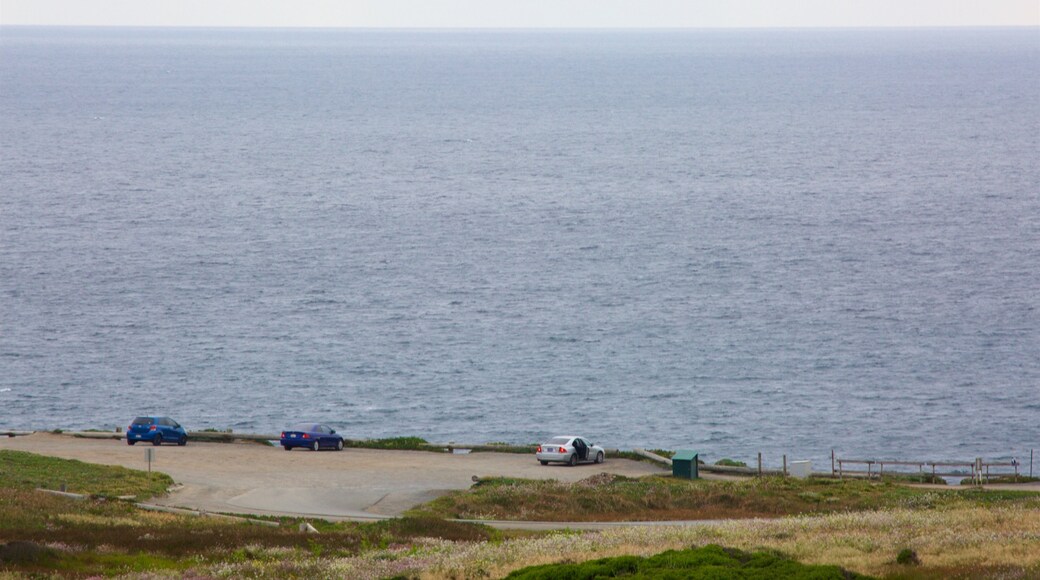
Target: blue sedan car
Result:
[313, 436]
[156, 430]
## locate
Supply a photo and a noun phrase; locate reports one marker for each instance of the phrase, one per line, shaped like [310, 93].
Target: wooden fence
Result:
[978, 470]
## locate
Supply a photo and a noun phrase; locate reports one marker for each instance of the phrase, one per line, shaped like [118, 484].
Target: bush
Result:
[705, 562]
[907, 557]
[24, 553]
[730, 463]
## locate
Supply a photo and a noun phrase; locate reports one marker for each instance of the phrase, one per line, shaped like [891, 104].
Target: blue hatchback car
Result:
[156, 430]
[313, 436]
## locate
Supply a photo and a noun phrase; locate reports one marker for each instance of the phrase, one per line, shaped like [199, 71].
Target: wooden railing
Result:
[979, 470]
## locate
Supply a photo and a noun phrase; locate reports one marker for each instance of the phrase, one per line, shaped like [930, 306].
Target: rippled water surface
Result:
[769, 241]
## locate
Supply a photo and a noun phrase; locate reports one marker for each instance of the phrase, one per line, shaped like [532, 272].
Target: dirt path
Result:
[348, 484]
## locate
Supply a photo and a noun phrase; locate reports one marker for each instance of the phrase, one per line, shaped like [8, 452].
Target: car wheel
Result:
[183, 440]
[543, 462]
[286, 447]
[157, 441]
[573, 460]
[599, 457]
[339, 445]
[129, 442]
[314, 446]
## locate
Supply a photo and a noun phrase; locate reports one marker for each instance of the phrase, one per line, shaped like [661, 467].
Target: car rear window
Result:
[142, 421]
[304, 427]
[560, 440]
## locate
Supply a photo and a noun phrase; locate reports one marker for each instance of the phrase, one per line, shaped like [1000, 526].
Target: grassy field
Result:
[99, 537]
[20, 470]
[42, 533]
[950, 535]
[609, 498]
[950, 543]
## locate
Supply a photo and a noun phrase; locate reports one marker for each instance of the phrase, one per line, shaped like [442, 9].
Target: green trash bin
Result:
[684, 464]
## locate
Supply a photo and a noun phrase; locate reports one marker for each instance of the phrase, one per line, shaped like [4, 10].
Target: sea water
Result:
[730, 241]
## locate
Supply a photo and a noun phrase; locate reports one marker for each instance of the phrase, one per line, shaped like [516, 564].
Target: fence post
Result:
[785, 465]
[760, 464]
[832, 462]
[1030, 463]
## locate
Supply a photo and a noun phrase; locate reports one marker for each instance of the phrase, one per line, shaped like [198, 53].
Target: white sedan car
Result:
[569, 449]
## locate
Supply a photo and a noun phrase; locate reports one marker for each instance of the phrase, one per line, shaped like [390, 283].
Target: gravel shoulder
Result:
[349, 484]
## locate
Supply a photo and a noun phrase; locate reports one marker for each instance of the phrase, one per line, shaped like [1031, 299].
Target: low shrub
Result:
[907, 557]
[25, 553]
[710, 561]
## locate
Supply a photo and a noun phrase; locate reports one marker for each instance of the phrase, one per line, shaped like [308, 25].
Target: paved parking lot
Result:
[353, 483]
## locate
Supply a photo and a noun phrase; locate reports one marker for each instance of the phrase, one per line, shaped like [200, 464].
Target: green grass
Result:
[22, 470]
[507, 448]
[707, 562]
[396, 443]
[664, 498]
[1004, 479]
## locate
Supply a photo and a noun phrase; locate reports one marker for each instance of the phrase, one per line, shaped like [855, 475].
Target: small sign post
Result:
[149, 454]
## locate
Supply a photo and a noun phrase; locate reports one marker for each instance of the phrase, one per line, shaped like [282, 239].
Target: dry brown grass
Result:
[976, 542]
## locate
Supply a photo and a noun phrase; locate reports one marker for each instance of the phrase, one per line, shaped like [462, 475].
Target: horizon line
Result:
[531, 28]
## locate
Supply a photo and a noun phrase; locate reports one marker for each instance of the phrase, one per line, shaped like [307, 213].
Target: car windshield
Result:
[305, 427]
[560, 440]
[142, 421]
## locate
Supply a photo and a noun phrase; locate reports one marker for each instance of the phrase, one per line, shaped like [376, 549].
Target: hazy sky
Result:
[522, 13]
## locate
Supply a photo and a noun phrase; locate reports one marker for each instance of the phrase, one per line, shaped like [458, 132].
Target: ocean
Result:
[743, 241]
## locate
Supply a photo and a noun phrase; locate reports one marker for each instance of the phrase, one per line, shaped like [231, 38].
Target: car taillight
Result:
[562, 450]
[306, 436]
[152, 428]
[283, 434]
[539, 450]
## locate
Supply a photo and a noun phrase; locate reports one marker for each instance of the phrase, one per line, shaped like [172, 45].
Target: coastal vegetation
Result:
[709, 561]
[395, 443]
[606, 497]
[21, 470]
[101, 535]
[902, 533]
